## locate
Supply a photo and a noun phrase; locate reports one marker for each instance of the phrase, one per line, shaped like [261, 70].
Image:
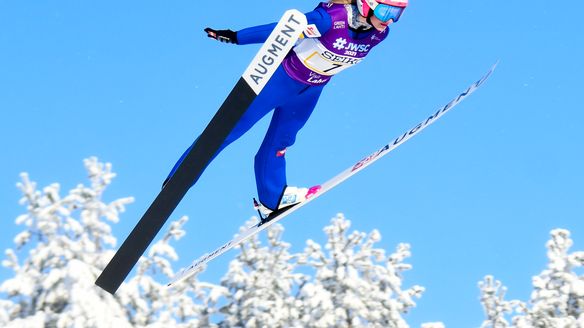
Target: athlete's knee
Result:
[286, 141]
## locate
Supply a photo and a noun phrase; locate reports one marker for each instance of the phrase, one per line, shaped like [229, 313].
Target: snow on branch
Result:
[356, 283]
[557, 299]
[64, 240]
[353, 283]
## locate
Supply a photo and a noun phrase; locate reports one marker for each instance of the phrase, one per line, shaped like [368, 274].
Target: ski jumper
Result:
[328, 47]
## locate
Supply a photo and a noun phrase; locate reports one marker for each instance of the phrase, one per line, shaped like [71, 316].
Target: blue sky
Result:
[475, 194]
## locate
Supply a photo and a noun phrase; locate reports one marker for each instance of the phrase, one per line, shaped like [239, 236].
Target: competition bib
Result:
[316, 57]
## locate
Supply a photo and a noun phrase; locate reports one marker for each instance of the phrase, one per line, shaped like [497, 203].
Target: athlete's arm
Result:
[259, 34]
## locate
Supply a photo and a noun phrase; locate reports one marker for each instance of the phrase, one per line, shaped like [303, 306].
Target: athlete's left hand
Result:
[227, 36]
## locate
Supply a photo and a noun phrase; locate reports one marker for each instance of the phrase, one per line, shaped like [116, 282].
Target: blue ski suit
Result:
[292, 102]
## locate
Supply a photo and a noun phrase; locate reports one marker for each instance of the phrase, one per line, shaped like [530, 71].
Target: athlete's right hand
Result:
[227, 36]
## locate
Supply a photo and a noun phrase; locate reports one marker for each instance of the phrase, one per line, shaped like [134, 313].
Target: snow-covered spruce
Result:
[65, 242]
[557, 299]
[354, 284]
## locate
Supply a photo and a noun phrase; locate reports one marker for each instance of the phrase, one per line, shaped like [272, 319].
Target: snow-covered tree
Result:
[66, 242]
[557, 299]
[149, 303]
[64, 239]
[355, 283]
[261, 282]
[496, 307]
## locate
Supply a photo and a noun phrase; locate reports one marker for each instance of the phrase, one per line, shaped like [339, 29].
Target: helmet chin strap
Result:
[368, 19]
[354, 19]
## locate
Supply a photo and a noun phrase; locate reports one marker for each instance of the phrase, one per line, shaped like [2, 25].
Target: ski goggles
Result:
[386, 12]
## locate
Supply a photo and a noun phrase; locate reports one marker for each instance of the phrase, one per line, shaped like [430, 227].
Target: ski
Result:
[250, 84]
[199, 264]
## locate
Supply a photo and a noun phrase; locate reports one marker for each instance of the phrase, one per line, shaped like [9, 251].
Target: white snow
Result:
[348, 281]
[557, 299]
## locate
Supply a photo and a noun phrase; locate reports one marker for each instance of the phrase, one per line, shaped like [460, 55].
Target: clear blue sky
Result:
[477, 193]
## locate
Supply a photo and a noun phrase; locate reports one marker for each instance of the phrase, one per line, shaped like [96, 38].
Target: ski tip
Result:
[493, 67]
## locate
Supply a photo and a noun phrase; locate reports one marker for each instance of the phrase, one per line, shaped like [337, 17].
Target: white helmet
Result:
[384, 10]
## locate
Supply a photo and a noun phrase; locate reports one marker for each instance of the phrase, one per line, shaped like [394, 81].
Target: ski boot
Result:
[291, 196]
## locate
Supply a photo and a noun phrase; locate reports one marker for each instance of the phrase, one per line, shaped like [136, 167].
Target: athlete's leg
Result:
[270, 162]
[278, 90]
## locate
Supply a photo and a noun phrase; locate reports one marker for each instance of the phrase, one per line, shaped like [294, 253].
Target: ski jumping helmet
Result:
[384, 10]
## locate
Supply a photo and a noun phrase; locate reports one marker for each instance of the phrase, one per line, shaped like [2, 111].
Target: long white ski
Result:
[200, 263]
